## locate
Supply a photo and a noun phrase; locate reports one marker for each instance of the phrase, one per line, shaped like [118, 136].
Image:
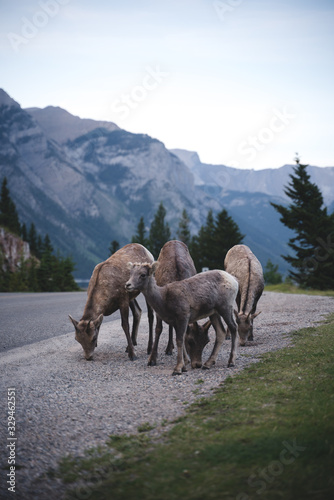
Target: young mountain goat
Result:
[183, 302]
[175, 264]
[106, 294]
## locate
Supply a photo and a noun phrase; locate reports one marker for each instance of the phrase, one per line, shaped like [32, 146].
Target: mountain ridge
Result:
[91, 185]
[61, 126]
[271, 181]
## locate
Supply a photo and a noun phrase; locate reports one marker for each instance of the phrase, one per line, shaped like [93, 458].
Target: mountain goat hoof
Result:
[208, 365]
[152, 362]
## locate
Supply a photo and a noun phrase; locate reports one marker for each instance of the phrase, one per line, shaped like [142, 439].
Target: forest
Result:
[44, 270]
[311, 254]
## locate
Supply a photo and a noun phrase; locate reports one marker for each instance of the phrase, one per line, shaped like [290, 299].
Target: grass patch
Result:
[289, 288]
[267, 432]
[145, 427]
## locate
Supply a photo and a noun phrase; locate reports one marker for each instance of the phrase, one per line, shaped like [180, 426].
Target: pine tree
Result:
[200, 246]
[159, 231]
[226, 234]
[313, 254]
[33, 275]
[183, 232]
[39, 247]
[214, 239]
[50, 274]
[47, 268]
[33, 240]
[62, 274]
[140, 236]
[8, 213]
[114, 246]
[23, 232]
[46, 245]
[271, 274]
[68, 282]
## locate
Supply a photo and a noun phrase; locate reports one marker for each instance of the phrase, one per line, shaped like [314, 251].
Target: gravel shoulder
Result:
[65, 404]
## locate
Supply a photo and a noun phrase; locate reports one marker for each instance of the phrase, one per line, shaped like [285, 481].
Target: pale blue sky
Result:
[242, 82]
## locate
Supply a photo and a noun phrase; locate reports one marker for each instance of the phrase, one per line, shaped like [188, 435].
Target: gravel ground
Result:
[65, 404]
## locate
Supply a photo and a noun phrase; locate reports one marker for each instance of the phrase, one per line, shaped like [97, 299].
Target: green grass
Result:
[267, 432]
[289, 288]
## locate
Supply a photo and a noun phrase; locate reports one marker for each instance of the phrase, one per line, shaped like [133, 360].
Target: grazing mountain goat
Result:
[245, 267]
[183, 302]
[106, 294]
[175, 264]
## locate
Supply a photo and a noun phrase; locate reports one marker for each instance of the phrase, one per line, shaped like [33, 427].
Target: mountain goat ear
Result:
[256, 314]
[129, 265]
[154, 267]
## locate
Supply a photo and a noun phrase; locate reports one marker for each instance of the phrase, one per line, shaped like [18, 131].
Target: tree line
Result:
[208, 248]
[44, 271]
[312, 246]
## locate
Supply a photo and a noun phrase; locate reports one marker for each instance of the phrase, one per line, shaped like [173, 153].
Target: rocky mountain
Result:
[59, 125]
[12, 251]
[247, 194]
[93, 187]
[267, 181]
[87, 182]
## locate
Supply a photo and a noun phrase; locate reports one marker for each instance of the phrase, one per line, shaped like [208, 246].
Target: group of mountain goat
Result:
[179, 296]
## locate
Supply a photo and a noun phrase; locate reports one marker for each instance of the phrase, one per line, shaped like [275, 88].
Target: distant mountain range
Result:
[87, 182]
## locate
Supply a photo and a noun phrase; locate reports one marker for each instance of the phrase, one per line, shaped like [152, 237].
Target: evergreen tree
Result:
[44, 272]
[214, 239]
[271, 274]
[39, 247]
[8, 213]
[33, 276]
[62, 274]
[114, 246]
[159, 232]
[32, 240]
[200, 247]
[313, 255]
[46, 244]
[47, 268]
[140, 236]
[183, 232]
[24, 233]
[226, 234]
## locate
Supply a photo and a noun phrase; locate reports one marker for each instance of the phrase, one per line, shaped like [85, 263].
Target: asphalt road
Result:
[26, 318]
